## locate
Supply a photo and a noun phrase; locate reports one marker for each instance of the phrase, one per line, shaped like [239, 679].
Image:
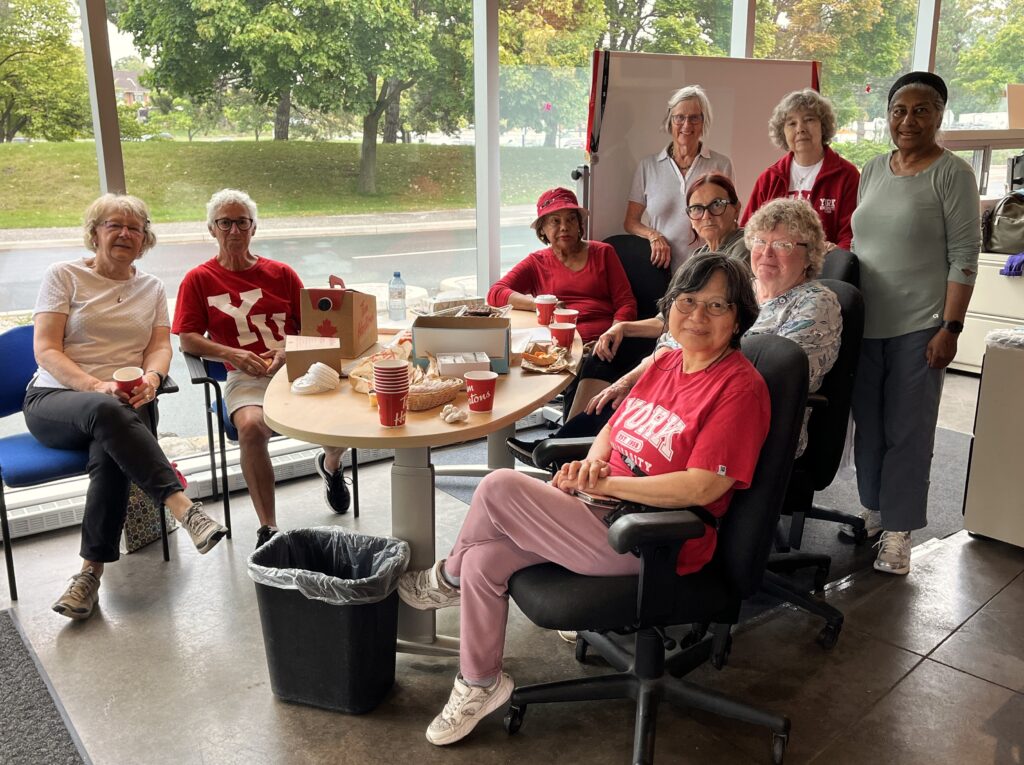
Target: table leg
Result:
[498, 456]
[412, 519]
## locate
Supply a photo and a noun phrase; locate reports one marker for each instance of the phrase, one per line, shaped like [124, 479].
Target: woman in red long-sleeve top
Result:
[583, 275]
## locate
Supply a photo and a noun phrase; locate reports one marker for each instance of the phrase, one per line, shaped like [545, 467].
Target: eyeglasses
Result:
[715, 207]
[225, 224]
[692, 119]
[114, 226]
[687, 305]
[779, 247]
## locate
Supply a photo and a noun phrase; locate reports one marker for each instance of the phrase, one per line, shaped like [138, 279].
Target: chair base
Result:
[644, 677]
[782, 588]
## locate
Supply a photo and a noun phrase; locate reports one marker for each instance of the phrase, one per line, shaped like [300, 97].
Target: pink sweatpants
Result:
[515, 521]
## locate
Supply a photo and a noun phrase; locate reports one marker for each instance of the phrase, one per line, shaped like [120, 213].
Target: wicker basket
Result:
[421, 401]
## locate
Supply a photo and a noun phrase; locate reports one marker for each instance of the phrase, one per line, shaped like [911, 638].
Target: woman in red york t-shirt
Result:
[583, 275]
[689, 434]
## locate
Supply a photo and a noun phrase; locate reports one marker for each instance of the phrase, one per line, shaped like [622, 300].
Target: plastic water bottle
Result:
[396, 297]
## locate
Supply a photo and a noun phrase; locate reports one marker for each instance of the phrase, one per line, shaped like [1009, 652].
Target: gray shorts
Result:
[242, 389]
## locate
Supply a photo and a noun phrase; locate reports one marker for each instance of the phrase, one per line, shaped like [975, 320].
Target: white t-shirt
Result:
[801, 179]
[110, 322]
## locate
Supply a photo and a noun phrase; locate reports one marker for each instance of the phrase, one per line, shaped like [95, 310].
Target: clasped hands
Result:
[582, 475]
[258, 365]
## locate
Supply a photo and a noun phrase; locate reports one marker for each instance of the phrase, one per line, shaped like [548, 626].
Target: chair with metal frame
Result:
[210, 374]
[25, 462]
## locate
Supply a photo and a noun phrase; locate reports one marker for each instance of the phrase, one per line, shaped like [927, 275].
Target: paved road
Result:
[423, 257]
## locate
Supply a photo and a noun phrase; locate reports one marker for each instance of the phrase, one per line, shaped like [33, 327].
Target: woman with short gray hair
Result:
[804, 124]
[657, 200]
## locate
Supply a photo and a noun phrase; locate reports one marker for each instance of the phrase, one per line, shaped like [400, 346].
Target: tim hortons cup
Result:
[565, 316]
[480, 390]
[128, 378]
[563, 334]
[392, 407]
[545, 308]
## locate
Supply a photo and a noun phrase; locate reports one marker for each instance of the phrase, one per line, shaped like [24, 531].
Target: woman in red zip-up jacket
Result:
[804, 123]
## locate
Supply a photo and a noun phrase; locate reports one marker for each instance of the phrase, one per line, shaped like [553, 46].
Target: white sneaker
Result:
[893, 552]
[467, 706]
[427, 590]
[569, 636]
[872, 525]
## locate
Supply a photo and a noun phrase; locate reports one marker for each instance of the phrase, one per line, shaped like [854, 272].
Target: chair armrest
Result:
[196, 369]
[554, 452]
[638, 530]
[167, 386]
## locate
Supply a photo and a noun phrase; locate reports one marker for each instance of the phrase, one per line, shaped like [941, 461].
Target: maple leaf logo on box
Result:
[326, 329]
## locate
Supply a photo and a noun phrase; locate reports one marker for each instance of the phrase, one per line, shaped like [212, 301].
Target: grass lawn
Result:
[51, 184]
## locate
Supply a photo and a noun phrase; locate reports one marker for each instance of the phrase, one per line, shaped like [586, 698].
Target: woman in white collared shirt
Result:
[659, 185]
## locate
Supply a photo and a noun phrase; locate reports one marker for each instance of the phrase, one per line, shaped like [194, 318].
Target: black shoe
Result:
[335, 489]
[264, 534]
[522, 450]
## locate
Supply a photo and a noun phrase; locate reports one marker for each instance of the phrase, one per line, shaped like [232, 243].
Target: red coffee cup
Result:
[480, 390]
[563, 334]
[545, 307]
[128, 378]
[391, 408]
[565, 316]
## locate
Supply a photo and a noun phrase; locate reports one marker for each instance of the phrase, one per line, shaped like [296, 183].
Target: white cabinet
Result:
[994, 500]
[997, 303]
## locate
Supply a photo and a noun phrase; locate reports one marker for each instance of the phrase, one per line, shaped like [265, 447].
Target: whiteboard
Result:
[634, 88]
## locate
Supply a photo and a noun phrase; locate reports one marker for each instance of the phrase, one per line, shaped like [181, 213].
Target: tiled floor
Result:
[929, 668]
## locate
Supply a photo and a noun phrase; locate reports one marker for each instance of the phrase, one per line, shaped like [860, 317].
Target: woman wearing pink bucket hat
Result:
[583, 275]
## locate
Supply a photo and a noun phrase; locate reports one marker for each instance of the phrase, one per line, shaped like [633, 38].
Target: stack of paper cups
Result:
[391, 384]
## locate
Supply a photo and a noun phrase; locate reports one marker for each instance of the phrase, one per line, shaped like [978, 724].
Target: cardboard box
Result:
[348, 315]
[465, 334]
[457, 364]
[300, 353]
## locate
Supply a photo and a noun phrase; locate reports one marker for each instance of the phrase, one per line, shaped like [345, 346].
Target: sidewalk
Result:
[332, 225]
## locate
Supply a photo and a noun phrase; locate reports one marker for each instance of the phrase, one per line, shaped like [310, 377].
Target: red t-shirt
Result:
[252, 309]
[715, 419]
[600, 291]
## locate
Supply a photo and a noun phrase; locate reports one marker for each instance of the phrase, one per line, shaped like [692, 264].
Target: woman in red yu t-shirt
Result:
[689, 433]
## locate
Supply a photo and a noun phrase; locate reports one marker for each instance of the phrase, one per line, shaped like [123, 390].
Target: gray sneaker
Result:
[81, 596]
[872, 525]
[205, 531]
[467, 706]
[427, 590]
[893, 552]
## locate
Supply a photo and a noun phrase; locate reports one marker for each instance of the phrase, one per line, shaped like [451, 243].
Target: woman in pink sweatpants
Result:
[689, 432]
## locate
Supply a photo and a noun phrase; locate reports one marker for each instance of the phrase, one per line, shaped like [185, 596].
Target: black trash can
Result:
[329, 609]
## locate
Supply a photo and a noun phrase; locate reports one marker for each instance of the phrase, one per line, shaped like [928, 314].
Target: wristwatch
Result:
[954, 326]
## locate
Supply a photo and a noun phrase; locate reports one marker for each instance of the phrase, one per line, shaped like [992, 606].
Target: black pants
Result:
[122, 449]
[631, 351]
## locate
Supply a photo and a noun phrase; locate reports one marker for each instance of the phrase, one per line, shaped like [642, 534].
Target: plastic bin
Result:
[329, 612]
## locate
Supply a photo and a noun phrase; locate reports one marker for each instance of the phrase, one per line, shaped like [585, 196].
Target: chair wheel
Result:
[514, 718]
[860, 536]
[779, 741]
[581, 650]
[829, 636]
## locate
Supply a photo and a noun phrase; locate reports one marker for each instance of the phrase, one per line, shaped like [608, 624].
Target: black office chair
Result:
[210, 374]
[842, 266]
[658, 598]
[816, 469]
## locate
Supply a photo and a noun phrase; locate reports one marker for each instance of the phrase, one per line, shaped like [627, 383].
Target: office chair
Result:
[816, 468]
[843, 266]
[210, 374]
[646, 605]
[24, 461]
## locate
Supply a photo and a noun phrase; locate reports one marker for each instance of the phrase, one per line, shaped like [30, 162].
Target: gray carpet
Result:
[34, 728]
[945, 499]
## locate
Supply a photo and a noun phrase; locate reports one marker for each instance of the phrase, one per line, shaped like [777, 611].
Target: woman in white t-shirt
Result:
[92, 317]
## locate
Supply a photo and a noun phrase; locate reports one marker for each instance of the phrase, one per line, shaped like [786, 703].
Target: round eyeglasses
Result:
[687, 305]
[692, 119]
[716, 207]
[114, 226]
[224, 224]
[779, 247]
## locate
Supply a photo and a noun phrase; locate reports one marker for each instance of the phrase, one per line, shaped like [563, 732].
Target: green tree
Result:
[43, 90]
[246, 114]
[189, 117]
[997, 56]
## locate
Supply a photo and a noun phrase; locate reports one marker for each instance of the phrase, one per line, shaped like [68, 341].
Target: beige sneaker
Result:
[205, 531]
[467, 706]
[81, 596]
[893, 552]
[427, 590]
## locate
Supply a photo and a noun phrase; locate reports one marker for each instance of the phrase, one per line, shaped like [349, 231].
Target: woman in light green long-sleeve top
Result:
[916, 231]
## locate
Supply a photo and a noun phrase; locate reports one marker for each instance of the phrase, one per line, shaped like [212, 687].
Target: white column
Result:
[927, 35]
[742, 41]
[101, 96]
[488, 173]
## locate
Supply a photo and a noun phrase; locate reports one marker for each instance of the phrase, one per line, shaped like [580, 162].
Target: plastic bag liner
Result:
[331, 564]
[1006, 338]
